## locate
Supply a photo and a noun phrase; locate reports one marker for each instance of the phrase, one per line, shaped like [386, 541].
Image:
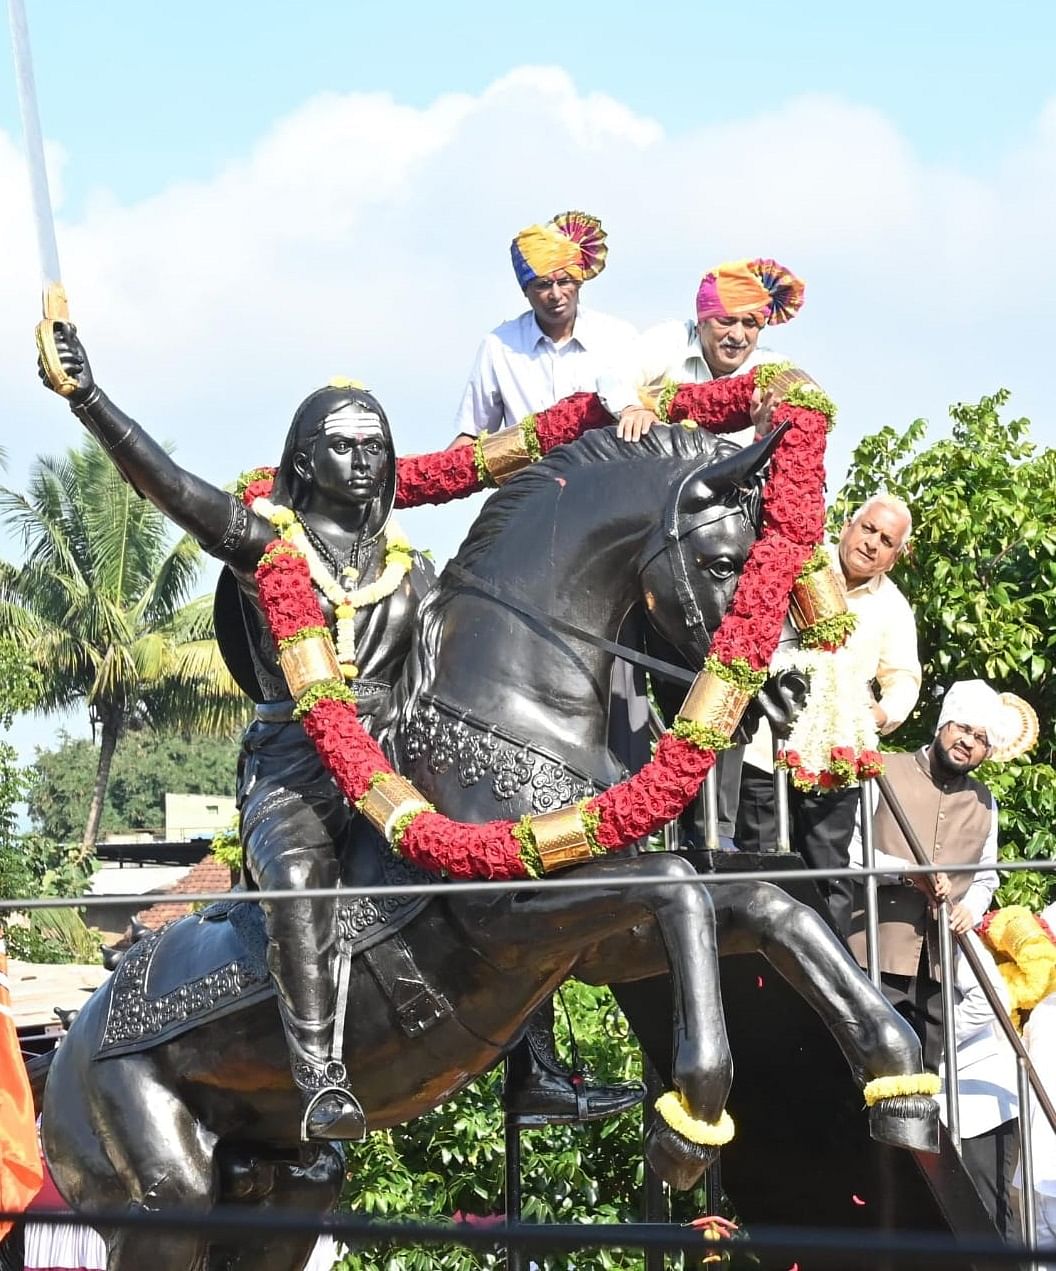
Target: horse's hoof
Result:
[906, 1120]
[334, 1113]
[674, 1159]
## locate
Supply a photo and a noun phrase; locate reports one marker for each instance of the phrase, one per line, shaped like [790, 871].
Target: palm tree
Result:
[101, 600]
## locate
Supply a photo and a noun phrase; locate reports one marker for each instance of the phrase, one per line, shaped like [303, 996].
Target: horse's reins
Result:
[519, 604]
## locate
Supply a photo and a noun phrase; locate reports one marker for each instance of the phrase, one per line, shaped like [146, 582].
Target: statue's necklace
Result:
[341, 590]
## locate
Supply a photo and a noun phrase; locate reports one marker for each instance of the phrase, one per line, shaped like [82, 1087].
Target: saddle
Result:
[212, 963]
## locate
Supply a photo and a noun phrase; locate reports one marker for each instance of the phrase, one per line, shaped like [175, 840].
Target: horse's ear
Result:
[737, 469]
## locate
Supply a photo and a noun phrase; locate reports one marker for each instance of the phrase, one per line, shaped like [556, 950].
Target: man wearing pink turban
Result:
[734, 303]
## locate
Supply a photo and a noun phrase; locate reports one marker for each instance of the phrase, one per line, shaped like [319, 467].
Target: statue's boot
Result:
[329, 1108]
[540, 1090]
[301, 958]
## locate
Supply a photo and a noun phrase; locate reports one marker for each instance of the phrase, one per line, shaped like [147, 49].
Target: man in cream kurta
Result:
[883, 649]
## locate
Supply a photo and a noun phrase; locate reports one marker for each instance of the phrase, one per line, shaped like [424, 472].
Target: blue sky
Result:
[252, 198]
[145, 93]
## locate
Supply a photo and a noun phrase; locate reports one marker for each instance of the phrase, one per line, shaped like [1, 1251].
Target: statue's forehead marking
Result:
[354, 418]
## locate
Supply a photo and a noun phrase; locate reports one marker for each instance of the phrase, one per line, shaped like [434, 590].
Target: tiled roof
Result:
[207, 875]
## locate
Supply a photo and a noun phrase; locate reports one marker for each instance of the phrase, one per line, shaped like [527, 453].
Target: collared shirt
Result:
[672, 351]
[883, 646]
[520, 370]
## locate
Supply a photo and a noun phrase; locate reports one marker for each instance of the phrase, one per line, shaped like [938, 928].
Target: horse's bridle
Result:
[519, 604]
[667, 540]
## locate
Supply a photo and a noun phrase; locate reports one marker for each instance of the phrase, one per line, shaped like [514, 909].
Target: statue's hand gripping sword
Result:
[54, 294]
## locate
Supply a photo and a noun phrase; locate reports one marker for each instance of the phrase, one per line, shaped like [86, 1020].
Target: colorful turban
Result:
[572, 241]
[750, 286]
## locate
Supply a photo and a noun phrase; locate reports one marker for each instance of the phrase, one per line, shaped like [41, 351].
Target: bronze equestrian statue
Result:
[174, 1087]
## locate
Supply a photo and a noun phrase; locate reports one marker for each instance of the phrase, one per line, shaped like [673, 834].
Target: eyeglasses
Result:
[540, 286]
[977, 735]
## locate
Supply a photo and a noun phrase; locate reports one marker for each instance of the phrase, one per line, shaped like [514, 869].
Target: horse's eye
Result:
[718, 567]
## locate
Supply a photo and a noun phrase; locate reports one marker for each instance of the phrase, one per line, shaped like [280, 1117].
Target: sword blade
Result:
[34, 144]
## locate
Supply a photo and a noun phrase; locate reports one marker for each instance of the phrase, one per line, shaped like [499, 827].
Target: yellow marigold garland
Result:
[672, 1108]
[888, 1087]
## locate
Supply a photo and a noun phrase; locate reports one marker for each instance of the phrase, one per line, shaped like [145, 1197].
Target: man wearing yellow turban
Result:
[556, 347]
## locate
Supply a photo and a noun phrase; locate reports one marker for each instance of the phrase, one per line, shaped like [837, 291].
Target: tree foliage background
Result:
[981, 578]
[146, 766]
[102, 602]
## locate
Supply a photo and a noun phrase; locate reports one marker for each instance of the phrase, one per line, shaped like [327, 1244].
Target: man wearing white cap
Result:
[955, 818]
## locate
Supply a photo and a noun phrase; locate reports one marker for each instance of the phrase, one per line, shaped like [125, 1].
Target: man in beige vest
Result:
[955, 818]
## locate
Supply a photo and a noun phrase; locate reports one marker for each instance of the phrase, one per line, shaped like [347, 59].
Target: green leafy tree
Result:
[452, 1161]
[19, 691]
[103, 604]
[981, 578]
[147, 765]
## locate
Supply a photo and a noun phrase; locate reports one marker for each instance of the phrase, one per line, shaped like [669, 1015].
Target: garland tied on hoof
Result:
[793, 523]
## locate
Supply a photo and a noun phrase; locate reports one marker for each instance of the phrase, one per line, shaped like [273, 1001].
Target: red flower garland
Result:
[720, 405]
[438, 478]
[452, 474]
[792, 526]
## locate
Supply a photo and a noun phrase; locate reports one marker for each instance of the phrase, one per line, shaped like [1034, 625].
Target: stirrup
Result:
[328, 1084]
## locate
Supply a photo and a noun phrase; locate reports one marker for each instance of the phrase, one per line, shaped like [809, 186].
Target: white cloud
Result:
[365, 236]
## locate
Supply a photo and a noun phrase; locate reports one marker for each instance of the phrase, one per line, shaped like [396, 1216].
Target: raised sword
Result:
[54, 302]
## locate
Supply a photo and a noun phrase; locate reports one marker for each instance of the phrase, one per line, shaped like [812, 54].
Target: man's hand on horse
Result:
[634, 423]
[74, 362]
[761, 411]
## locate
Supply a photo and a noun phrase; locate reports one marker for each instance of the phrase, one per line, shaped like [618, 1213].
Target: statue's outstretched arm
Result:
[212, 516]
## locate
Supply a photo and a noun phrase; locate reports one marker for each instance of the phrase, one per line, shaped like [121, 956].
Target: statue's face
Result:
[347, 460]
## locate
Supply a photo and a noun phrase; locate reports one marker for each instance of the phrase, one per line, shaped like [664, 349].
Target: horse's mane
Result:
[689, 446]
[600, 445]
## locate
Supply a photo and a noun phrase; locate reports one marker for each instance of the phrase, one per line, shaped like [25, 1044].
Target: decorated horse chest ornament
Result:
[793, 523]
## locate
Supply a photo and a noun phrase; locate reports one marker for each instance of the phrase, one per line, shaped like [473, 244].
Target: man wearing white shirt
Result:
[554, 349]
[955, 818]
[881, 649]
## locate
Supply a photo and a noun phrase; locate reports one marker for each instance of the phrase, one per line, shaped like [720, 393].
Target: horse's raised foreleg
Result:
[553, 920]
[876, 1041]
[762, 918]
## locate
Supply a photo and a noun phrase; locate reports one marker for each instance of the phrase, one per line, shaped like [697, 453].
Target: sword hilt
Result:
[56, 309]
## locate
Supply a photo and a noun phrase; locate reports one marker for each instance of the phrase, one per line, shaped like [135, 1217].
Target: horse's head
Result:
[691, 563]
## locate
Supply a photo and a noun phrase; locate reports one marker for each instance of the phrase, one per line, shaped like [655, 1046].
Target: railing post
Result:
[710, 795]
[872, 922]
[1026, 1159]
[784, 835]
[514, 1257]
[654, 1202]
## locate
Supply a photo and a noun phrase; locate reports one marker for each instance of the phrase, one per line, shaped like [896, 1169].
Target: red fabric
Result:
[21, 1172]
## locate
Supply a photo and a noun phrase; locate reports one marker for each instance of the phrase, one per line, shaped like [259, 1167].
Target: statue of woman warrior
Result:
[337, 478]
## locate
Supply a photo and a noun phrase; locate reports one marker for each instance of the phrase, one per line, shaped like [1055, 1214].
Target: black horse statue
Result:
[173, 1087]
